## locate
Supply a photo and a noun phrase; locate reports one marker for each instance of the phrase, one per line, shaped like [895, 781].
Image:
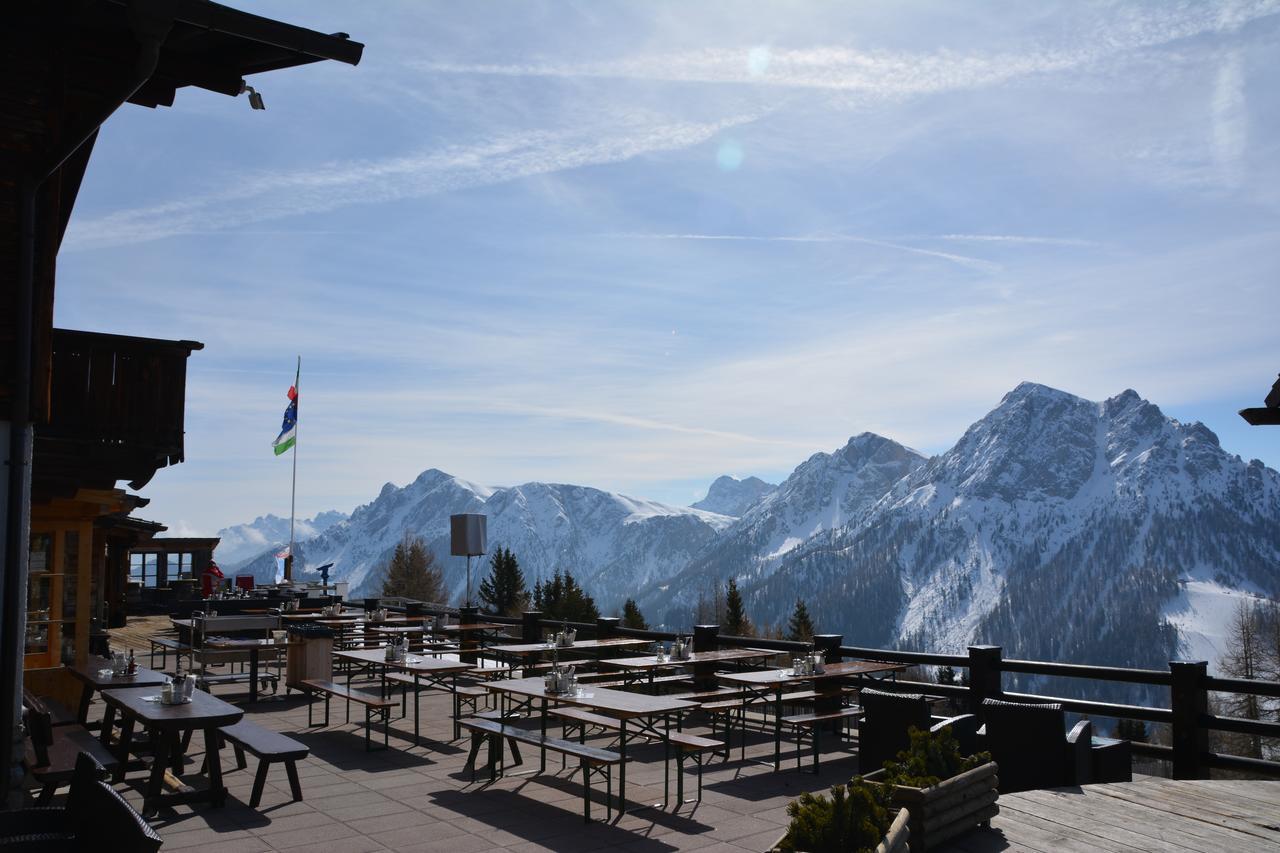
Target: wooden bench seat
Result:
[165, 645]
[811, 725]
[374, 705]
[52, 750]
[544, 666]
[270, 748]
[686, 746]
[693, 747]
[592, 760]
[206, 680]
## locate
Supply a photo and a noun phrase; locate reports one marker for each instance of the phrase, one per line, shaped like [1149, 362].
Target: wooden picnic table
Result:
[168, 724]
[761, 682]
[529, 650]
[434, 670]
[643, 710]
[92, 678]
[700, 661]
[240, 644]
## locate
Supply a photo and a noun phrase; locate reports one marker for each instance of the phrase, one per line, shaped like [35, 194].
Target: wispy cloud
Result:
[889, 74]
[262, 197]
[963, 260]
[1019, 239]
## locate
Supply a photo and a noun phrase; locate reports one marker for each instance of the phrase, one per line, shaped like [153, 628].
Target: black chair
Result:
[1029, 746]
[95, 817]
[889, 717]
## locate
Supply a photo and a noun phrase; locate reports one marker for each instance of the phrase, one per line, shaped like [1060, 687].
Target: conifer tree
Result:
[632, 617]
[562, 598]
[412, 572]
[503, 591]
[736, 623]
[800, 628]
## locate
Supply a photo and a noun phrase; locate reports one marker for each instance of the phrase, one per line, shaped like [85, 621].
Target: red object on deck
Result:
[209, 578]
[244, 582]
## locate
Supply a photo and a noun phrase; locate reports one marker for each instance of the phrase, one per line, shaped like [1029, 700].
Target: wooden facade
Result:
[80, 411]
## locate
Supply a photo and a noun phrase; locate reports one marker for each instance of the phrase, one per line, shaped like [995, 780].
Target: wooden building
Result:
[80, 411]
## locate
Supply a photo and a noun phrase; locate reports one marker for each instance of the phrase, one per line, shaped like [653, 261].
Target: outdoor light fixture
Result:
[255, 100]
[467, 539]
[1268, 416]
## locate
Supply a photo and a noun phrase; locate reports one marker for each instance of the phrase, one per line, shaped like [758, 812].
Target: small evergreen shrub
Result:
[932, 757]
[854, 818]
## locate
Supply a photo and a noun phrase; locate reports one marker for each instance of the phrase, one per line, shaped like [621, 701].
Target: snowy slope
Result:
[609, 542]
[1059, 528]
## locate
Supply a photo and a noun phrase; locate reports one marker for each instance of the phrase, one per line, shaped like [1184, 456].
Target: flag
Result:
[289, 429]
[280, 558]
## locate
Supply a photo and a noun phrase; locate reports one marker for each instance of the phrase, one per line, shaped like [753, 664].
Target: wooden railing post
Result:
[531, 626]
[984, 676]
[1189, 699]
[606, 627]
[706, 638]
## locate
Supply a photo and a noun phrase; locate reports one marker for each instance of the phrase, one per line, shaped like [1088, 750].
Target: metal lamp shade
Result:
[467, 535]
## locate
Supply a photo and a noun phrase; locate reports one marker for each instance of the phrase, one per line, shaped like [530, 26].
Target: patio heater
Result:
[467, 539]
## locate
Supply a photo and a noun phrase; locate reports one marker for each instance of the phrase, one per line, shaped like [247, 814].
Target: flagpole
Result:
[293, 497]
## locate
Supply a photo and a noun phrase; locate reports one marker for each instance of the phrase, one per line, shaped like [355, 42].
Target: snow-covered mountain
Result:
[1059, 528]
[827, 491]
[242, 542]
[611, 543]
[731, 496]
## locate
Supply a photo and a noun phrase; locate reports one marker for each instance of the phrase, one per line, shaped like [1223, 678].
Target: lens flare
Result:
[758, 59]
[729, 156]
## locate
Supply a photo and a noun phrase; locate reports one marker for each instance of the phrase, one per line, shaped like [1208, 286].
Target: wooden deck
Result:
[1148, 814]
[420, 798]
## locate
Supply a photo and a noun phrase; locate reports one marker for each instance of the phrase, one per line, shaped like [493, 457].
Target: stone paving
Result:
[411, 798]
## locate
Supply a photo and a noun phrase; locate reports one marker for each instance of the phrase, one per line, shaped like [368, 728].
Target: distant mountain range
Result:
[1060, 528]
[242, 542]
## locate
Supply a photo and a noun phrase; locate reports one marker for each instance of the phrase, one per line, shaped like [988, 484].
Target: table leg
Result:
[622, 766]
[217, 791]
[126, 743]
[253, 673]
[542, 766]
[417, 737]
[108, 723]
[86, 696]
[162, 744]
[777, 730]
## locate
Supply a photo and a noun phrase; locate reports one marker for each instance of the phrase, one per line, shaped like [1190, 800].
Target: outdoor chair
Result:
[889, 717]
[95, 817]
[1029, 746]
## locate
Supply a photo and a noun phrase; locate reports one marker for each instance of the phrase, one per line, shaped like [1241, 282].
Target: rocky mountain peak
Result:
[731, 496]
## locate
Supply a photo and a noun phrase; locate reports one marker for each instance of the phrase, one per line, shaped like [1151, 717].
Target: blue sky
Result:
[638, 245]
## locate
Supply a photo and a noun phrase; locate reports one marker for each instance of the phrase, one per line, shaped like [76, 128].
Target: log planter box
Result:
[948, 808]
[895, 838]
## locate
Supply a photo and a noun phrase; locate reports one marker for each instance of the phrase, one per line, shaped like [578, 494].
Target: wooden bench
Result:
[372, 702]
[269, 747]
[204, 680]
[726, 708]
[686, 745]
[811, 725]
[546, 666]
[592, 760]
[694, 747]
[169, 644]
[53, 750]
